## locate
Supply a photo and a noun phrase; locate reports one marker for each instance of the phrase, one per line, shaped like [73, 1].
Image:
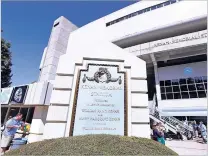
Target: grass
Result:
[94, 145]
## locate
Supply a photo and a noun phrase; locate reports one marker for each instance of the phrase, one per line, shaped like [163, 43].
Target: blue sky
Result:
[27, 25]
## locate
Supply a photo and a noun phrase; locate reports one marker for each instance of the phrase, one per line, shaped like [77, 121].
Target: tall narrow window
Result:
[3, 114]
[56, 24]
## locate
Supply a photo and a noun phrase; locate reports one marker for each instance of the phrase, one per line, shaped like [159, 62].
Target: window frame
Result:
[20, 107]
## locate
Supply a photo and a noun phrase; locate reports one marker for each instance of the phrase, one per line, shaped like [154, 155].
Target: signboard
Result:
[183, 38]
[18, 95]
[5, 95]
[100, 102]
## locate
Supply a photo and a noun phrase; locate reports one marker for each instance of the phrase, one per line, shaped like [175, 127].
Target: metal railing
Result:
[170, 120]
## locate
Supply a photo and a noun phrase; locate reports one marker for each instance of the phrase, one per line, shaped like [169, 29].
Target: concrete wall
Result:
[160, 18]
[38, 124]
[198, 38]
[84, 49]
[177, 71]
[56, 47]
[38, 93]
[69, 51]
[184, 107]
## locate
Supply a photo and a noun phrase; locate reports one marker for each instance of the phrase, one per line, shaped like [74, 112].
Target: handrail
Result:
[171, 121]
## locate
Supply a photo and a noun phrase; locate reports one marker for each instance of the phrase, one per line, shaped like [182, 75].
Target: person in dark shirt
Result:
[156, 133]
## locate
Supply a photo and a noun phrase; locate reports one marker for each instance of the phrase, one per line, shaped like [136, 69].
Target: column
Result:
[38, 123]
[157, 82]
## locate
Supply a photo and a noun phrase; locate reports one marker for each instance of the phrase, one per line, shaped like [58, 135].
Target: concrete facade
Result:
[136, 44]
[67, 70]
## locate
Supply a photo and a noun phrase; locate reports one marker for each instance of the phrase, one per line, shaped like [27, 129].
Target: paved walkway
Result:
[192, 147]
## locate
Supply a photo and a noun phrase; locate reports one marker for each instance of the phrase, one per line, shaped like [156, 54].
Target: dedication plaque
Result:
[100, 105]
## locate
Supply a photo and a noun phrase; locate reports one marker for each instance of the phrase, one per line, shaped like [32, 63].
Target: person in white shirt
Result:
[178, 130]
[166, 131]
[203, 130]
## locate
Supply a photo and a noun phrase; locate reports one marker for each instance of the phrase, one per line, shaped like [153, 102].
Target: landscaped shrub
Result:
[94, 145]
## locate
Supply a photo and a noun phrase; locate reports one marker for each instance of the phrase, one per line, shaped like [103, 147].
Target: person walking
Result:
[191, 132]
[178, 131]
[203, 130]
[156, 133]
[195, 129]
[11, 127]
[166, 131]
[161, 131]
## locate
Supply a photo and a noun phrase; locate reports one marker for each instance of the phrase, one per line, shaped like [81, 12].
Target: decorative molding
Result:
[140, 123]
[139, 92]
[138, 78]
[35, 133]
[56, 104]
[62, 74]
[62, 89]
[54, 121]
[103, 59]
[140, 107]
[77, 91]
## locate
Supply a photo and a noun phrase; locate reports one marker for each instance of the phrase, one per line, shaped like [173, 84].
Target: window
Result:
[159, 5]
[190, 81]
[192, 87]
[126, 17]
[13, 111]
[56, 24]
[141, 11]
[162, 83]
[176, 89]
[24, 112]
[175, 82]
[185, 95]
[30, 115]
[134, 14]
[107, 24]
[163, 96]
[147, 9]
[193, 94]
[3, 114]
[184, 88]
[182, 81]
[201, 94]
[162, 89]
[167, 83]
[198, 79]
[204, 78]
[169, 96]
[177, 96]
[168, 89]
[200, 86]
[153, 7]
[167, 3]
[27, 113]
[172, 1]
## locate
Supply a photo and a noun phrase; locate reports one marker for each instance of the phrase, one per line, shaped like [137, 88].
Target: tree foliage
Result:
[6, 64]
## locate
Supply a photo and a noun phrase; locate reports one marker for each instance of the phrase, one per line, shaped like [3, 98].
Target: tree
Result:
[6, 64]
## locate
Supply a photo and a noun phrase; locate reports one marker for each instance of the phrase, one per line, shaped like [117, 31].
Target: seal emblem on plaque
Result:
[102, 76]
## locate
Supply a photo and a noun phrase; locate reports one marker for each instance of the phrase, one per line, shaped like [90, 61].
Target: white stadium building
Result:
[162, 45]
